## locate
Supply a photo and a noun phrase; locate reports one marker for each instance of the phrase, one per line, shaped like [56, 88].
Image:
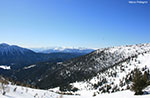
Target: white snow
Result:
[122, 70]
[63, 49]
[29, 66]
[25, 92]
[122, 94]
[5, 67]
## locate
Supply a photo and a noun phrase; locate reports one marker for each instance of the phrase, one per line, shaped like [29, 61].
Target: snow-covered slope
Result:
[14, 91]
[116, 78]
[88, 66]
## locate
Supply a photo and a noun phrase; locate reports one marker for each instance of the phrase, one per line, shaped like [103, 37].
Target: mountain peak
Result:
[6, 49]
[4, 45]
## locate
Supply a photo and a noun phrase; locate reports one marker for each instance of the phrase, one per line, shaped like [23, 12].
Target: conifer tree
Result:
[139, 82]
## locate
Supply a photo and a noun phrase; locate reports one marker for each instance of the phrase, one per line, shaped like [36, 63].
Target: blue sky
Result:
[73, 23]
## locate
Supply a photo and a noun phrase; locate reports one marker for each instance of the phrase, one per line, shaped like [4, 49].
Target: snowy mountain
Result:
[63, 50]
[116, 78]
[102, 71]
[6, 49]
[16, 57]
[12, 55]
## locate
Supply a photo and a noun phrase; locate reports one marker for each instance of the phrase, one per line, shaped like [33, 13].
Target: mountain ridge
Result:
[5, 49]
[16, 57]
[87, 66]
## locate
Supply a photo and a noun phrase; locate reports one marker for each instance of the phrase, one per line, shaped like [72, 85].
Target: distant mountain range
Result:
[63, 50]
[17, 57]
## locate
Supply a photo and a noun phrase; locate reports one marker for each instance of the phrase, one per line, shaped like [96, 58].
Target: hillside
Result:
[116, 78]
[14, 91]
[90, 65]
[10, 90]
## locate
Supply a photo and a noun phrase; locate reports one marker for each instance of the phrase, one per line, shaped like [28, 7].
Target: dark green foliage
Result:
[33, 75]
[115, 88]
[108, 87]
[68, 88]
[139, 82]
[30, 57]
[94, 94]
[100, 83]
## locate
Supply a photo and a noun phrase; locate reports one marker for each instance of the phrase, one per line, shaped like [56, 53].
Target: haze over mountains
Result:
[63, 50]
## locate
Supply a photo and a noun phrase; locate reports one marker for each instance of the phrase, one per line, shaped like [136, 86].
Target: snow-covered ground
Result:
[5, 67]
[121, 72]
[24, 92]
[115, 78]
[122, 94]
[29, 66]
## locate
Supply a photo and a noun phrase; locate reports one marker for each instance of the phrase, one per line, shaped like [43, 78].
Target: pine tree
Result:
[139, 82]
